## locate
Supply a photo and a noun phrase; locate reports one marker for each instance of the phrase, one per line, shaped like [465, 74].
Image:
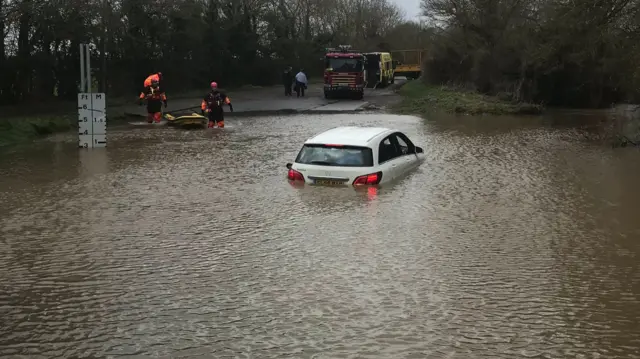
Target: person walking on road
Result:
[287, 81]
[301, 83]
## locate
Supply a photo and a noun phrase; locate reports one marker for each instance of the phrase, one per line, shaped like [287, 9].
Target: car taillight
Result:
[372, 178]
[294, 175]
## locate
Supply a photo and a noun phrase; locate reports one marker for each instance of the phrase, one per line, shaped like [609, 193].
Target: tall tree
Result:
[576, 53]
[191, 41]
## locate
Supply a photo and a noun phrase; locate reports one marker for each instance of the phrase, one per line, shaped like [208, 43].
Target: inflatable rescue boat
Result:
[186, 120]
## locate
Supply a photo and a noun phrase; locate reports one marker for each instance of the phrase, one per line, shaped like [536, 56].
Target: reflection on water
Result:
[515, 238]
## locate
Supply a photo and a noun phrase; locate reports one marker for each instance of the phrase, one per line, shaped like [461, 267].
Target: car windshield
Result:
[344, 64]
[333, 155]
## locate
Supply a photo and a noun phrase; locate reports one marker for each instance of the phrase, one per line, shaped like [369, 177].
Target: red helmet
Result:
[214, 85]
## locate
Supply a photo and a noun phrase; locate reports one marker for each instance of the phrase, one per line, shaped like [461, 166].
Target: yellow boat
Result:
[187, 120]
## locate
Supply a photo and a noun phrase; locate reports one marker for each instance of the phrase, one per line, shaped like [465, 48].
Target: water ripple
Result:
[505, 244]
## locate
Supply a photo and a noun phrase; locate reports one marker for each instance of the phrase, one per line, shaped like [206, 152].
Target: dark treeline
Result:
[192, 42]
[582, 53]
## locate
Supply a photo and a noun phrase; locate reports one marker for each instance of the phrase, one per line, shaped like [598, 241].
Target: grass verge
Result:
[17, 130]
[419, 98]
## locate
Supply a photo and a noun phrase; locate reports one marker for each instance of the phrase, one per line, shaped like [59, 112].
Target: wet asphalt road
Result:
[270, 100]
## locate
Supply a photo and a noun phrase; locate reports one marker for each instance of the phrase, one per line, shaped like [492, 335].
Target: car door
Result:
[389, 161]
[408, 152]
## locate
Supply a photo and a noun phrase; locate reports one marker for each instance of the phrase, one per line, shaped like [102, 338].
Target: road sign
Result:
[99, 140]
[99, 107]
[92, 120]
[85, 141]
[99, 125]
[92, 108]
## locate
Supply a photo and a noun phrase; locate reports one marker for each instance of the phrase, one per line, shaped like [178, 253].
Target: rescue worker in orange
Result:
[157, 77]
[155, 97]
[212, 106]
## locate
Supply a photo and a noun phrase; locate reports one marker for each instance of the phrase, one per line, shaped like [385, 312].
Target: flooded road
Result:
[515, 239]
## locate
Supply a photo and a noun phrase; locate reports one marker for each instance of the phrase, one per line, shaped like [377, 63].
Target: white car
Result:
[355, 156]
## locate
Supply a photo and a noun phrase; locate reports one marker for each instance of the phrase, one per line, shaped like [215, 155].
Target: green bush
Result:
[15, 130]
[419, 98]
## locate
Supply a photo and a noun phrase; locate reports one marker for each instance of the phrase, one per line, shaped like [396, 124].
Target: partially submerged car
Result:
[355, 156]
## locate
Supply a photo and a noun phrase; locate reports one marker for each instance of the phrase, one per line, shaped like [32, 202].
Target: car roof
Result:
[349, 135]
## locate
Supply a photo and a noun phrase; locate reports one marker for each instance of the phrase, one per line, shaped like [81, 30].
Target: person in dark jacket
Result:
[155, 97]
[212, 106]
[287, 81]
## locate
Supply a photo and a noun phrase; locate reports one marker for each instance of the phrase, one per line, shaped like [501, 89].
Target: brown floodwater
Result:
[517, 238]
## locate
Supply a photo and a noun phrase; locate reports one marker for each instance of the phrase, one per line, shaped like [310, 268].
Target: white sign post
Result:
[92, 109]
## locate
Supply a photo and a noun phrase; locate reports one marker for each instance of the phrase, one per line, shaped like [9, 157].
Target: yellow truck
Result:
[379, 69]
[408, 63]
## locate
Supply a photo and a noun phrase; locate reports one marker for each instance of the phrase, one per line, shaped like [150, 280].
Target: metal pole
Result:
[105, 8]
[82, 72]
[88, 58]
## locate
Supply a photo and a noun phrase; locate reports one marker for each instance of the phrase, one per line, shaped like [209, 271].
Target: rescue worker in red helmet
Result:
[155, 98]
[212, 106]
[157, 77]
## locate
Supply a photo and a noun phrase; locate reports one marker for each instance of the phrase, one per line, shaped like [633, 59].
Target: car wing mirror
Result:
[419, 150]
[289, 165]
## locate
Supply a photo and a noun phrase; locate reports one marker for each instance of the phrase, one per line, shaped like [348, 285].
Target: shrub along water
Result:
[420, 98]
[16, 130]
[560, 53]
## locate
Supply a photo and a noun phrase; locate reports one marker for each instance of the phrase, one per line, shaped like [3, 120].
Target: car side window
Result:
[404, 148]
[405, 143]
[387, 150]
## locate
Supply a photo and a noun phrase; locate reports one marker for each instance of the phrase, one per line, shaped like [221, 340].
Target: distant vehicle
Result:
[344, 73]
[380, 69]
[355, 156]
[408, 63]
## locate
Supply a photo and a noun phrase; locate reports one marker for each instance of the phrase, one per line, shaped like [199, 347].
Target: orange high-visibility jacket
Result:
[150, 93]
[155, 97]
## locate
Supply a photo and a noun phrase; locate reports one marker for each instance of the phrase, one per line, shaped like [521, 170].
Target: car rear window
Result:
[335, 155]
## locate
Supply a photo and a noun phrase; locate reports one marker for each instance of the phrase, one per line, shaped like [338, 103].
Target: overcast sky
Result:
[411, 8]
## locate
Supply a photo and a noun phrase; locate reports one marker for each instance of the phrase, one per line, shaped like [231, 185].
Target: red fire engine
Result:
[344, 72]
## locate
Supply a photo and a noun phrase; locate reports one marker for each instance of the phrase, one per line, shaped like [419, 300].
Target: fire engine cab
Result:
[344, 73]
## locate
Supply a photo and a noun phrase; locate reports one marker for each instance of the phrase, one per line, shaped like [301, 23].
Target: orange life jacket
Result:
[147, 82]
